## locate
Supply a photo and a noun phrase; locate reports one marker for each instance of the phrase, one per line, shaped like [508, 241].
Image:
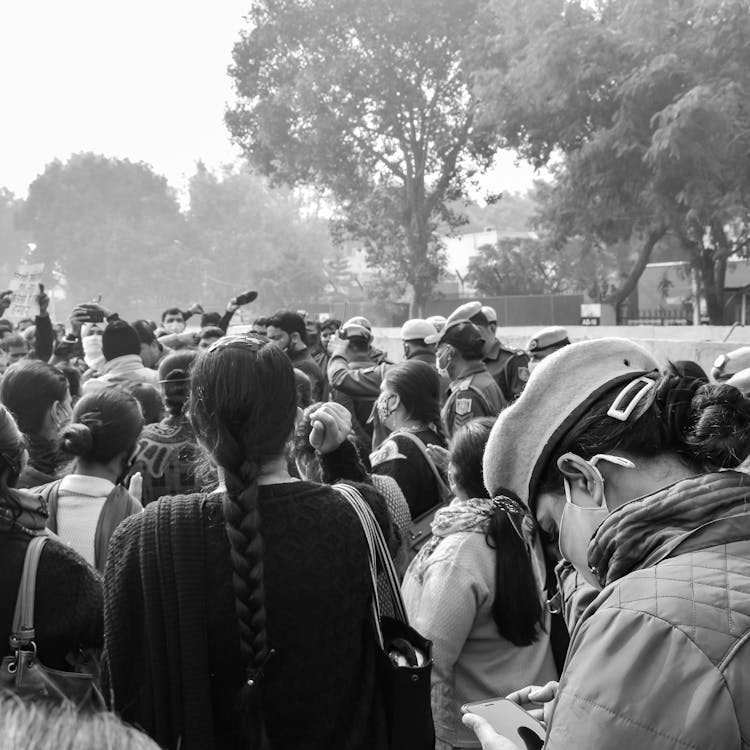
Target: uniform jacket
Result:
[509, 368]
[475, 394]
[661, 658]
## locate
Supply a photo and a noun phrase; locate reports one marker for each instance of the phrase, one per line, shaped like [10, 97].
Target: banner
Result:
[25, 286]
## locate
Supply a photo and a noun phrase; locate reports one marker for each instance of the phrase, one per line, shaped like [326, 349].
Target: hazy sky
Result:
[143, 79]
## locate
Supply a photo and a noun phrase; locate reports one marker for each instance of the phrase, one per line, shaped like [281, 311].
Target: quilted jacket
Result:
[661, 658]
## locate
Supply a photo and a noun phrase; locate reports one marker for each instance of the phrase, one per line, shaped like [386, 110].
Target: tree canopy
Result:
[646, 103]
[372, 102]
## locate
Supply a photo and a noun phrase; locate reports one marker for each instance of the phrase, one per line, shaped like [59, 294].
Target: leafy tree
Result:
[12, 240]
[647, 104]
[246, 234]
[370, 101]
[108, 226]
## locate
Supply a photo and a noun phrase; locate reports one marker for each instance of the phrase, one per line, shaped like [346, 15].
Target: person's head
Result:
[260, 325]
[304, 389]
[173, 320]
[600, 426]
[24, 323]
[410, 395]
[38, 397]
[151, 350]
[490, 315]
[119, 340]
[328, 328]
[149, 398]
[459, 343]
[545, 342]
[210, 320]
[418, 336]
[302, 452]
[12, 349]
[91, 343]
[474, 312]
[358, 337]
[244, 423]
[12, 451]
[208, 335]
[46, 725]
[174, 379]
[287, 330]
[104, 431]
[73, 376]
[6, 327]
[517, 608]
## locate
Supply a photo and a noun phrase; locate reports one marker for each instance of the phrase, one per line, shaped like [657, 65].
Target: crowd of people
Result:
[569, 525]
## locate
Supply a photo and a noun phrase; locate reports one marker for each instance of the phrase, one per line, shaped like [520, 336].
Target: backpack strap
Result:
[22, 631]
[50, 493]
[443, 489]
[117, 507]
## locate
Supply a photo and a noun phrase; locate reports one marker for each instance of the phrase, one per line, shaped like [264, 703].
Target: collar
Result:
[699, 512]
[80, 484]
[471, 369]
[126, 363]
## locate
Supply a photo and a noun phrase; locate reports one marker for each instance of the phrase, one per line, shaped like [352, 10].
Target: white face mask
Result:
[578, 524]
[92, 351]
[174, 326]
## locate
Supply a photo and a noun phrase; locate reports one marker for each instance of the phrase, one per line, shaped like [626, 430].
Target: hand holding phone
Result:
[509, 720]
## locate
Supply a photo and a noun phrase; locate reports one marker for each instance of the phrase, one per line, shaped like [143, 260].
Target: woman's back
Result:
[318, 687]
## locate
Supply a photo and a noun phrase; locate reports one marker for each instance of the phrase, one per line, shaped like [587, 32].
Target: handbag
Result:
[22, 672]
[404, 657]
[420, 530]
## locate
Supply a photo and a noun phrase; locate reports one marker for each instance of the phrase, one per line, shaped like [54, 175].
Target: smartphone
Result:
[509, 720]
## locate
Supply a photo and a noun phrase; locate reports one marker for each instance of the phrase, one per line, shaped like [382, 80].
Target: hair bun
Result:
[77, 439]
[675, 395]
[720, 435]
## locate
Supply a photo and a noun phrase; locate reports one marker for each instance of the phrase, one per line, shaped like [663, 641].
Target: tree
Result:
[111, 227]
[370, 101]
[245, 233]
[646, 102]
[13, 241]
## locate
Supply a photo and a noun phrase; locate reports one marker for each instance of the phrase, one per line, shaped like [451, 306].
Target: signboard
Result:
[591, 314]
[25, 286]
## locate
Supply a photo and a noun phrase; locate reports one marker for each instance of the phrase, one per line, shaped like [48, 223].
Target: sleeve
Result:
[226, 319]
[357, 383]
[633, 680]
[393, 460]
[343, 463]
[45, 337]
[444, 614]
[467, 406]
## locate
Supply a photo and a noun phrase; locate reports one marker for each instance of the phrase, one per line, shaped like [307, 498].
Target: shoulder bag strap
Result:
[443, 488]
[50, 495]
[23, 618]
[376, 541]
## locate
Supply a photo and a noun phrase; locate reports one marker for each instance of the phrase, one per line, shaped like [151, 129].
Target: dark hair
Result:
[418, 386]
[304, 389]
[301, 449]
[358, 344]
[707, 426]
[329, 324]
[13, 340]
[260, 322]
[120, 339]
[28, 389]
[148, 397]
[144, 330]
[11, 451]
[105, 424]
[174, 378]
[688, 369]
[73, 376]
[479, 319]
[289, 322]
[244, 422]
[211, 332]
[172, 311]
[517, 608]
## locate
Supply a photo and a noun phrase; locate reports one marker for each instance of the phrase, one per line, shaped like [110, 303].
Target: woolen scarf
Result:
[23, 510]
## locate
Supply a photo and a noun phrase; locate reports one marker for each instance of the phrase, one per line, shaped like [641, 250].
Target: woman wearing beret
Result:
[631, 469]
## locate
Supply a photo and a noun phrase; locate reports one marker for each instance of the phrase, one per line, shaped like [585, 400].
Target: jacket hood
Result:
[650, 528]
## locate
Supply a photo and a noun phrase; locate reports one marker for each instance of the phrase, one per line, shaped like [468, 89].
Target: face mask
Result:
[92, 351]
[579, 524]
[174, 326]
[443, 359]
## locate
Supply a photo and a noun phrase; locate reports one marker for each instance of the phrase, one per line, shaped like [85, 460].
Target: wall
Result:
[703, 344]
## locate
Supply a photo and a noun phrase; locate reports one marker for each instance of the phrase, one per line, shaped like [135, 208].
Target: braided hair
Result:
[242, 408]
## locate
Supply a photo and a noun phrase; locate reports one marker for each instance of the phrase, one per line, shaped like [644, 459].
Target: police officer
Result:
[509, 368]
[545, 342]
[473, 392]
[419, 338]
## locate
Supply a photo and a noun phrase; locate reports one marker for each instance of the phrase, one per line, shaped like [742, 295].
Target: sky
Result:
[144, 80]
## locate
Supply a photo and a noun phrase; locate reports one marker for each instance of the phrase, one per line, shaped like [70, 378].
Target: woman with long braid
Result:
[241, 619]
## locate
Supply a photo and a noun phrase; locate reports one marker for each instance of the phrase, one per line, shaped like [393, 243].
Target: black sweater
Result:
[172, 649]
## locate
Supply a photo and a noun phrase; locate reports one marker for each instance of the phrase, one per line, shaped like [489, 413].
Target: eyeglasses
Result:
[250, 340]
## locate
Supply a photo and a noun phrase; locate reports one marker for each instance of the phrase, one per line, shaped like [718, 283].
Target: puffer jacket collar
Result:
[697, 512]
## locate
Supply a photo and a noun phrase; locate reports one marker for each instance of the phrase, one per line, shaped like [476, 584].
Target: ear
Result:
[583, 478]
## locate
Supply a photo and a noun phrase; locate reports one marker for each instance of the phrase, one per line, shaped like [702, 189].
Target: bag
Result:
[421, 527]
[22, 672]
[404, 658]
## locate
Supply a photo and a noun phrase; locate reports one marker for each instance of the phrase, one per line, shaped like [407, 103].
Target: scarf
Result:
[24, 511]
[472, 516]
[44, 454]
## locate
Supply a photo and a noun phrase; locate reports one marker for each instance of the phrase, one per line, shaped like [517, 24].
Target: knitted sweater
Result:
[67, 601]
[172, 654]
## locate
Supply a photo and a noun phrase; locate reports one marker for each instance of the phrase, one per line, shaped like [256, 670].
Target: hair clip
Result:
[250, 340]
[637, 388]
[254, 675]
